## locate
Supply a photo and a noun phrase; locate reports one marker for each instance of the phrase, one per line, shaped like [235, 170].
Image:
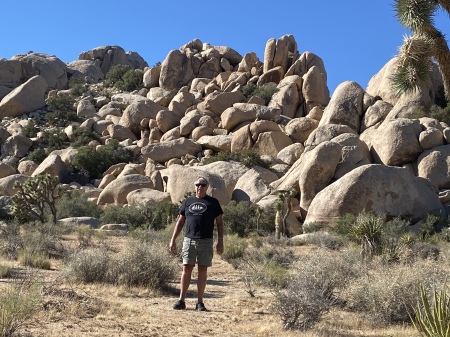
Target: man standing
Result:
[198, 215]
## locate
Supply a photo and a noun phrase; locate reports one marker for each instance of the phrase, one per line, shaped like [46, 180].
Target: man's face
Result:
[200, 188]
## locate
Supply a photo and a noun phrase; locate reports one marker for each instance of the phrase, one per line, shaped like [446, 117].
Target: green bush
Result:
[265, 91]
[61, 110]
[436, 112]
[76, 204]
[124, 78]
[243, 218]
[234, 249]
[83, 136]
[96, 161]
[55, 139]
[130, 215]
[78, 87]
[37, 155]
[131, 80]
[160, 215]
[31, 129]
[115, 74]
[247, 157]
[19, 301]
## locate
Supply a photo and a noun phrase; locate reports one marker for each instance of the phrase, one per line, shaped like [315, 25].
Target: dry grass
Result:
[79, 309]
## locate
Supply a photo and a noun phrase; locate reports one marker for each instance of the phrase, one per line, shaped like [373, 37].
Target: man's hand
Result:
[173, 247]
[219, 246]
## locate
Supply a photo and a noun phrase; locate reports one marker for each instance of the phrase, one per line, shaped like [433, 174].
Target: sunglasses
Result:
[202, 185]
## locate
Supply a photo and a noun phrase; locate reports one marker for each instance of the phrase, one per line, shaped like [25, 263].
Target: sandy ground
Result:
[104, 310]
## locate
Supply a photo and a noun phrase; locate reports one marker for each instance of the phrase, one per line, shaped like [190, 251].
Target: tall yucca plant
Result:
[432, 319]
[426, 42]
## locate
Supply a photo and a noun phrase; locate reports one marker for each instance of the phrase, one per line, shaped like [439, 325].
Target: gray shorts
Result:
[198, 251]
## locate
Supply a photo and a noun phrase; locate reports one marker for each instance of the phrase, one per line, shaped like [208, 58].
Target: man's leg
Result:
[201, 282]
[185, 280]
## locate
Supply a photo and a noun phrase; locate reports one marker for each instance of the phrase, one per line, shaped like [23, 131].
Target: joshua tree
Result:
[283, 207]
[426, 42]
[34, 195]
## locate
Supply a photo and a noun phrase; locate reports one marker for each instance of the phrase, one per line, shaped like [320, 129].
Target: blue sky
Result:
[355, 38]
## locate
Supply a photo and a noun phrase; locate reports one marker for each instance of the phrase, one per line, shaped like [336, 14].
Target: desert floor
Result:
[104, 310]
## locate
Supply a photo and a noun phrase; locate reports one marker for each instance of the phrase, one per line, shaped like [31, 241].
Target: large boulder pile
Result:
[354, 151]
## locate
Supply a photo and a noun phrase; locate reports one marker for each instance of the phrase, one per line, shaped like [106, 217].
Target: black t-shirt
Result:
[200, 214]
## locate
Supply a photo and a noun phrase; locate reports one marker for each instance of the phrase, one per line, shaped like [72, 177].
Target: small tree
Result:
[34, 196]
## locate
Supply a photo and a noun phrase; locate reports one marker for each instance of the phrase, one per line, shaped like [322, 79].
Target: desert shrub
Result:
[143, 264]
[249, 89]
[243, 218]
[375, 235]
[76, 204]
[5, 271]
[83, 136]
[265, 91]
[96, 161]
[115, 74]
[55, 139]
[123, 77]
[159, 215]
[11, 241]
[247, 157]
[267, 265]
[234, 249]
[61, 110]
[31, 129]
[85, 233]
[19, 301]
[436, 112]
[389, 292]
[313, 289]
[130, 215]
[42, 241]
[324, 240]
[78, 87]
[88, 265]
[37, 155]
[29, 258]
[131, 80]
[432, 318]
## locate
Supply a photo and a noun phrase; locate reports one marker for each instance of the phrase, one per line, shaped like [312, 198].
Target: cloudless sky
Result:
[354, 38]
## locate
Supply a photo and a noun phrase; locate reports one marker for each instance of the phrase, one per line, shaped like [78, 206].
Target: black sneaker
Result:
[200, 307]
[180, 305]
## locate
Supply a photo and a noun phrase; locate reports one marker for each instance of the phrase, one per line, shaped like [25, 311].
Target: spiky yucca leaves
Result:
[415, 14]
[414, 65]
[425, 42]
[432, 319]
[368, 231]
